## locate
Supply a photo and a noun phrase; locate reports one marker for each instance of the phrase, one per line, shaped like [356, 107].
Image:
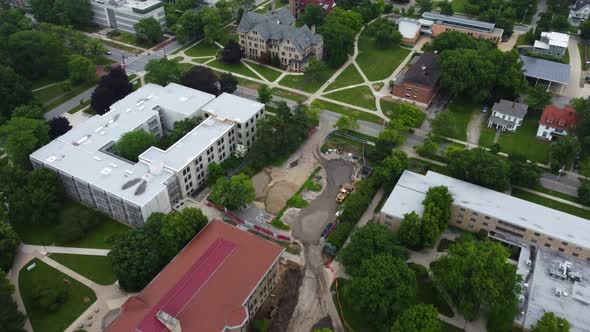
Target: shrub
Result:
[49, 298]
[280, 225]
[340, 234]
[297, 202]
[76, 223]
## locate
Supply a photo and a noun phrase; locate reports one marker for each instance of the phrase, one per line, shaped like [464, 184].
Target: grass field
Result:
[44, 95]
[54, 96]
[301, 82]
[43, 82]
[129, 38]
[486, 138]
[239, 69]
[378, 64]
[95, 268]
[556, 194]
[79, 107]
[98, 238]
[461, 112]
[547, 202]
[525, 141]
[359, 115]
[359, 96]
[121, 47]
[349, 76]
[459, 5]
[202, 49]
[268, 73]
[288, 95]
[390, 108]
[581, 47]
[79, 297]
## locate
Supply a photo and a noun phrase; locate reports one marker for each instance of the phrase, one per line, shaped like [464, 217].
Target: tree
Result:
[64, 12]
[538, 97]
[418, 318]
[428, 149]
[233, 193]
[148, 29]
[564, 152]
[163, 71]
[232, 53]
[452, 40]
[133, 143]
[14, 91]
[213, 27]
[314, 68]
[37, 54]
[338, 31]
[551, 323]
[180, 129]
[75, 223]
[31, 111]
[480, 167]
[228, 83]
[437, 204]
[585, 30]
[49, 298]
[410, 231]
[111, 88]
[346, 122]
[522, 172]
[340, 234]
[584, 193]
[313, 15]
[101, 99]
[425, 5]
[189, 26]
[11, 319]
[201, 78]
[366, 242]
[476, 273]
[383, 287]
[81, 69]
[180, 227]
[22, 137]
[445, 8]
[214, 172]
[392, 167]
[59, 126]
[184, 5]
[264, 94]
[443, 124]
[9, 243]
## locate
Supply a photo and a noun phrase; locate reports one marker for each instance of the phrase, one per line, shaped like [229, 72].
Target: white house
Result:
[507, 115]
[579, 12]
[552, 44]
[556, 122]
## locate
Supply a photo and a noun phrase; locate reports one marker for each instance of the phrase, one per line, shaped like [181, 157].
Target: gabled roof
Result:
[426, 71]
[581, 4]
[278, 26]
[511, 108]
[558, 118]
[205, 286]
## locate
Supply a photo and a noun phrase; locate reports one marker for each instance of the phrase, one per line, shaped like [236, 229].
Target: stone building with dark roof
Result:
[420, 82]
[274, 35]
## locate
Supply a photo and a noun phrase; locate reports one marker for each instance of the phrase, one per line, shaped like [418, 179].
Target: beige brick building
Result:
[503, 217]
[274, 35]
[434, 24]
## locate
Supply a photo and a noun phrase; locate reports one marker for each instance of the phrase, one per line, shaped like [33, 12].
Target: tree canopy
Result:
[564, 152]
[551, 323]
[81, 69]
[133, 143]
[418, 318]
[148, 29]
[63, 12]
[201, 78]
[11, 319]
[233, 193]
[9, 243]
[338, 31]
[480, 167]
[163, 71]
[346, 122]
[14, 91]
[111, 88]
[22, 137]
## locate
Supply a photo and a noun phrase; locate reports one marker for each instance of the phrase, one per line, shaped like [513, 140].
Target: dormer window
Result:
[549, 121]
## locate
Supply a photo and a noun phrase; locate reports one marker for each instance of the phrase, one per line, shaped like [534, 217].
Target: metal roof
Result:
[410, 191]
[546, 70]
[461, 21]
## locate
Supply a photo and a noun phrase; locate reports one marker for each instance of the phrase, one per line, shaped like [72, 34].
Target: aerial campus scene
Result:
[295, 165]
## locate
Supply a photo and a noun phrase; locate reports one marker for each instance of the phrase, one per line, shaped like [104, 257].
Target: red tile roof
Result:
[558, 118]
[205, 286]
[327, 5]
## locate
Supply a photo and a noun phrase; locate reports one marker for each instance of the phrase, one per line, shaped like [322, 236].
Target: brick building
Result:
[420, 82]
[434, 24]
[216, 283]
[298, 6]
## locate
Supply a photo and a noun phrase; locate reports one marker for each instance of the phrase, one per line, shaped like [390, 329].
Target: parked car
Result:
[327, 230]
[342, 194]
[484, 109]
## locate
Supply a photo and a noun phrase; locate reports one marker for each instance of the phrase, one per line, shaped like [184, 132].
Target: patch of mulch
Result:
[325, 322]
[287, 301]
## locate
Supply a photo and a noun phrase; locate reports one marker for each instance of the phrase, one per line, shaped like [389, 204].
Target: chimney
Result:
[313, 28]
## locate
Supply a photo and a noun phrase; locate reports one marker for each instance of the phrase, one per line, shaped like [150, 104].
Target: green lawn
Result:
[359, 96]
[43, 82]
[378, 64]
[268, 73]
[301, 82]
[551, 203]
[288, 95]
[45, 95]
[99, 238]
[186, 66]
[461, 112]
[349, 76]
[79, 107]
[359, 115]
[95, 268]
[238, 69]
[421, 166]
[486, 138]
[202, 49]
[581, 47]
[54, 96]
[520, 41]
[459, 5]
[428, 294]
[525, 141]
[248, 83]
[75, 91]
[79, 297]
[129, 38]
[390, 108]
[558, 194]
[121, 47]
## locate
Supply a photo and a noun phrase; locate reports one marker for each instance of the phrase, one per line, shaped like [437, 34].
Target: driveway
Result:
[474, 128]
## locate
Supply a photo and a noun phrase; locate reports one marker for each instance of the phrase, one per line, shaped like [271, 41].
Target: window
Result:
[460, 215]
[487, 218]
[475, 214]
[534, 241]
[485, 224]
[564, 243]
[561, 249]
[472, 219]
[537, 234]
[575, 254]
[459, 222]
[462, 209]
[548, 245]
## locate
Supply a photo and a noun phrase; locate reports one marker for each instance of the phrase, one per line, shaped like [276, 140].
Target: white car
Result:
[484, 109]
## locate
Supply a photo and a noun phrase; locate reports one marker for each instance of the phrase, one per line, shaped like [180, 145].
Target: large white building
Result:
[124, 14]
[131, 192]
[552, 44]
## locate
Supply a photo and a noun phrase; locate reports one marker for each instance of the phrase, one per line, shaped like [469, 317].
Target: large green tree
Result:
[347, 122]
[22, 137]
[338, 31]
[9, 242]
[11, 319]
[418, 318]
[313, 15]
[476, 273]
[480, 167]
[14, 91]
[522, 172]
[163, 71]
[551, 323]
[180, 227]
[64, 12]
[392, 167]
[382, 288]
[233, 193]
[564, 151]
[189, 26]
[81, 69]
[148, 29]
[133, 143]
[538, 97]
[368, 241]
[37, 54]
[213, 27]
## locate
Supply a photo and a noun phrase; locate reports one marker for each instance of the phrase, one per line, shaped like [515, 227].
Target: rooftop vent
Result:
[97, 158]
[182, 99]
[106, 171]
[51, 159]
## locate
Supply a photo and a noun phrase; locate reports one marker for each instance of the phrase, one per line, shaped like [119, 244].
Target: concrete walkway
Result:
[30, 249]
[68, 105]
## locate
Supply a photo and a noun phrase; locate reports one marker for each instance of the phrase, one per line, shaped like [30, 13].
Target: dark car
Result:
[327, 230]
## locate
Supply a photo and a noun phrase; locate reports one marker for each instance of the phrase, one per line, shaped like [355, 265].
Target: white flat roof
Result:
[556, 38]
[540, 44]
[234, 108]
[408, 27]
[523, 213]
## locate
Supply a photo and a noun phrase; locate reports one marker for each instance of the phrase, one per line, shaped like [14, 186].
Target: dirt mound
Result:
[260, 181]
[278, 194]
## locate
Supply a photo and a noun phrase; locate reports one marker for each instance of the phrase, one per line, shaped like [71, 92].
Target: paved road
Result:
[567, 184]
[68, 105]
[117, 54]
